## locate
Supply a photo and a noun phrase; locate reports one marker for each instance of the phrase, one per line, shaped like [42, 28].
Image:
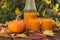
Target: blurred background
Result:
[9, 9]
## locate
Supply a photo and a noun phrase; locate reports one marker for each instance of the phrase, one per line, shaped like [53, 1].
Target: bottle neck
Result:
[30, 5]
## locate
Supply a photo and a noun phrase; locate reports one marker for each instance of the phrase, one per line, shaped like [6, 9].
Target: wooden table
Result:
[57, 37]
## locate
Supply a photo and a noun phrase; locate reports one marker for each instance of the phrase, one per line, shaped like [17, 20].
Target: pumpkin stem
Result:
[17, 17]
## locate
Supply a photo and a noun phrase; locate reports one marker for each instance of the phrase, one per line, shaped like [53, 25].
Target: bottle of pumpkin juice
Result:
[29, 11]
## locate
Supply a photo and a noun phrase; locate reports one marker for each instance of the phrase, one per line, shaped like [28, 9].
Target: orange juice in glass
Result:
[46, 24]
[34, 24]
[28, 15]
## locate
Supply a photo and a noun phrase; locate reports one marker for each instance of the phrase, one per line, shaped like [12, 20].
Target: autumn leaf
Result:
[4, 5]
[48, 1]
[57, 22]
[58, 25]
[17, 11]
[48, 33]
[19, 35]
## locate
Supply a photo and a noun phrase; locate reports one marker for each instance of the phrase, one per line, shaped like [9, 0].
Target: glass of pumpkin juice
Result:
[34, 24]
[46, 24]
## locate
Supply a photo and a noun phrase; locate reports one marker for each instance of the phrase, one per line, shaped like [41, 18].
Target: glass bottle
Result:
[29, 11]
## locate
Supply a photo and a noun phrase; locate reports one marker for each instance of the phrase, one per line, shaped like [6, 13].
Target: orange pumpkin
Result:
[16, 26]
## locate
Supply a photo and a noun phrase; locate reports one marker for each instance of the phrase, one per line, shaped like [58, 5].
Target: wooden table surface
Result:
[57, 37]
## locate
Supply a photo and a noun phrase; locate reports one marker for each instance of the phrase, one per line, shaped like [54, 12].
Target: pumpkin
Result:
[16, 26]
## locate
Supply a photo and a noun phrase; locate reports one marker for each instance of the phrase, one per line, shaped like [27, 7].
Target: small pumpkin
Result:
[16, 26]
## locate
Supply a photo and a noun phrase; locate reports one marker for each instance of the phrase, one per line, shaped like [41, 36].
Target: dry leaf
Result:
[57, 29]
[3, 30]
[1, 25]
[5, 35]
[58, 25]
[57, 22]
[20, 35]
[48, 33]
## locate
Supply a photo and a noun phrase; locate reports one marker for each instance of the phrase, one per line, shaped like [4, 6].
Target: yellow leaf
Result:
[19, 35]
[48, 33]
[57, 23]
[57, 5]
[37, 13]
[48, 1]
[17, 11]
[55, 8]
[4, 5]
[44, 13]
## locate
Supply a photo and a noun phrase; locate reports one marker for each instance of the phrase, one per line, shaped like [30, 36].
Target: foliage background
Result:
[9, 9]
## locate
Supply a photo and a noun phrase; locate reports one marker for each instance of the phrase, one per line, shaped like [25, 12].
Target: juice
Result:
[46, 24]
[28, 15]
[34, 24]
[29, 11]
